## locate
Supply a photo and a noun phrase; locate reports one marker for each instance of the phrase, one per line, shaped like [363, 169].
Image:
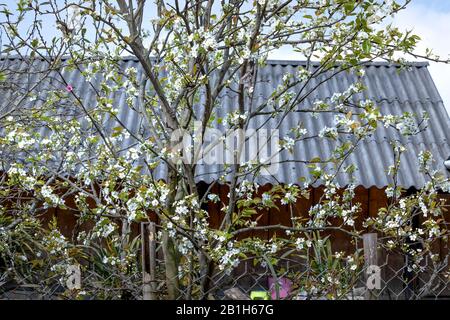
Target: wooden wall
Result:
[371, 201]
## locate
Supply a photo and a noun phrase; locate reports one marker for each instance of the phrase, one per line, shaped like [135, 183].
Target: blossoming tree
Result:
[66, 147]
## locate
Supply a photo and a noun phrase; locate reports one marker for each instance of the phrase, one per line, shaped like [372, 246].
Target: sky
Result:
[430, 19]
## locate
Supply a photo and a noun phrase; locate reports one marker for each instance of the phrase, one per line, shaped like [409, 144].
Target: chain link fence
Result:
[382, 274]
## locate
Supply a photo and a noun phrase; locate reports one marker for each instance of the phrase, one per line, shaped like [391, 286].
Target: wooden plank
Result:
[148, 260]
[303, 205]
[282, 217]
[146, 290]
[361, 197]
[370, 260]
[263, 216]
[377, 200]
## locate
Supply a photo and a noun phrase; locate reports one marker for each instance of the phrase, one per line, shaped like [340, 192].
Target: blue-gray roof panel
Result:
[396, 90]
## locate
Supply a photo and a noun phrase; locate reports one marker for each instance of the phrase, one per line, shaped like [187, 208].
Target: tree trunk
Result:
[169, 246]
[171, 266]
[205, 275]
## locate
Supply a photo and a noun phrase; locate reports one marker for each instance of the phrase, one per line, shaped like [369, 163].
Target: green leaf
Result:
[348, 7]
[366, 46]
[248, 212]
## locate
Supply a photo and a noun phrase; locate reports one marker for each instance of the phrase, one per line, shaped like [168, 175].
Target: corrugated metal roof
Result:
[396, 90]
